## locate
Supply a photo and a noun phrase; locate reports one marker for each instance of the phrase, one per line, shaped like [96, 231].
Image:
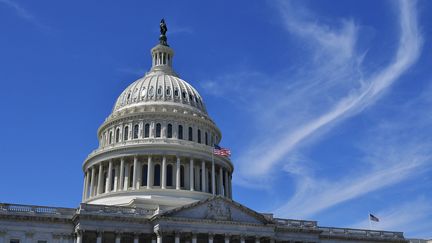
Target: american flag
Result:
[373, 218]
[217, 150]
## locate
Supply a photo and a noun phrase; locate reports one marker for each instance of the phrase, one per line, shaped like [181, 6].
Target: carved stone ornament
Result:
[218, 210]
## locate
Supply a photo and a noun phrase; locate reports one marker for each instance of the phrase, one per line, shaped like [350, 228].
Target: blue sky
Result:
[324, 104]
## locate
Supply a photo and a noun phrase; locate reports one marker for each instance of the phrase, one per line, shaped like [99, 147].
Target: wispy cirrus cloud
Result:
[23, 13]
[331, 87]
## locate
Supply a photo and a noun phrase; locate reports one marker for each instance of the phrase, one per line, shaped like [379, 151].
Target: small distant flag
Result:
[373, 218]
[217, 150]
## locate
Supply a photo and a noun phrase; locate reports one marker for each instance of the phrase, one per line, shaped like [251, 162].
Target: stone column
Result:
[126, 177]
[163, 172]
[272, 240]
[203, 176]
[149, 172]
[194, 238]
[242, 239]
[257, 239]
[214, 179]
[78, 237]
[136, 238]
[92, 181]
[191, 175]
[100, 176]
[121, 184]
[159, 238]
[178, 174]
[84, 186]
[210, 238]
[99, 237]
[29, 237]
[109, 177]
[177, 237]
[226, 187]
[118, 238]
[116, 177]
[2, 236]
[227, 239]
[220, 180]
[135, 173]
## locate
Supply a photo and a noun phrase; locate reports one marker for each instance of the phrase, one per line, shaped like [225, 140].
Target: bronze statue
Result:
[163, 27]
[163, 30]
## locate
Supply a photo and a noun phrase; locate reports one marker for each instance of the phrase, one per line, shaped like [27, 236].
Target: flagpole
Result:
[370, 223]
[213, 173]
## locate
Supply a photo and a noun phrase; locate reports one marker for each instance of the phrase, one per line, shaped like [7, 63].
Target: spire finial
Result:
[163, 30]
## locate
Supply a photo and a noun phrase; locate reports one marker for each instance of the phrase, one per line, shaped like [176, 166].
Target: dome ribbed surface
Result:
[160, 87]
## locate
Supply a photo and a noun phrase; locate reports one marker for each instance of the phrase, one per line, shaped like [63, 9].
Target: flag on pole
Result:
[217, 150]
[373, 218]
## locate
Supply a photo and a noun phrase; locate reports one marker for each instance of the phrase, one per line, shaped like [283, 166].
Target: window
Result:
[190, 134]
[147, 130]
[110, 138]
[117, 135]
[126, 133]
[159, 91]
[157, 171]
[131, 176]
[169, 179]
[169, 134]
[180, 132]
[182, 176]
[143, 92]
[41, 241]
[144, 175]
[190, 98]
[206, 138]
[199, 136]
[176, 93]
[158, 130]
[151, 91]
[168, 91]
[184, 95]
[136, 130]
[14, 241]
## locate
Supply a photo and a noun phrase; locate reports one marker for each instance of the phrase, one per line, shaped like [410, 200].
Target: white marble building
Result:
[154, 179]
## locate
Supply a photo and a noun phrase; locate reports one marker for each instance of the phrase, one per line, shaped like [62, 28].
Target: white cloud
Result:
[325, 91]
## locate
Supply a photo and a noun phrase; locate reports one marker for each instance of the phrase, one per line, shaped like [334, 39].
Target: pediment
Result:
[219, 209]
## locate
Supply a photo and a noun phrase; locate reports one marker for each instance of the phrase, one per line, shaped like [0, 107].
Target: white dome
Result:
[160, 88]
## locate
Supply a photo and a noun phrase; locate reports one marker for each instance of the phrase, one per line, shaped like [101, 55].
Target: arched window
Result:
[169, 179]
[159, 91]
[158, 130]
[144, 175]
[169, 133]
[131, 176]
[180, 132]
[126, 133]
[176, 93]
[206, 138]
[117, 135]
[157, 175]
[147, 130]
[168, 91]
[199, 136]
[184, 95]
[136, 130]
[182, 176]
[190, 134]
[110, 137]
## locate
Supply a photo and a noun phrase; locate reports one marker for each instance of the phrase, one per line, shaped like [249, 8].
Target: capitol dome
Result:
[156, 147]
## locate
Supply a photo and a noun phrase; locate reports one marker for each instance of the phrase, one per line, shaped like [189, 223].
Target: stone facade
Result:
[155, 179]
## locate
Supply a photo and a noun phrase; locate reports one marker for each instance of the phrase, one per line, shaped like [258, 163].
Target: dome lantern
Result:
[162, 54]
